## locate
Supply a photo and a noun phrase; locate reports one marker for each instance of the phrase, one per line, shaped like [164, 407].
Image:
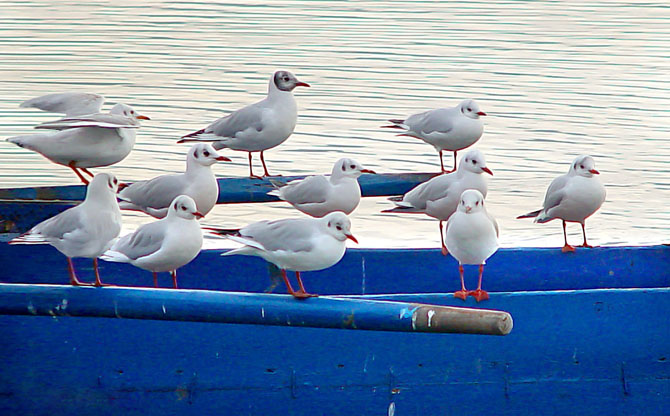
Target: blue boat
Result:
[590, 334]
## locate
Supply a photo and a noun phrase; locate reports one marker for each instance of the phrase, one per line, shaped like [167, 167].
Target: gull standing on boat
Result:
[450, 129]
[318, 195]
[572, 197]
[439, 196]
[297, 244]
[86, 230]
[259, 126]
[198, 181]
[85, 138]
[472, 237]
[164, 245]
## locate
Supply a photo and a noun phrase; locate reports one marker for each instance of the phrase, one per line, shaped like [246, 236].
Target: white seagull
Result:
[86, 230]
[198, 181]
[472, 237]
[86, 137]
[259, 126]
[164, 245]
[439, 196]
[318, 195]
[572, 197]
[297, 244]
[450, 129]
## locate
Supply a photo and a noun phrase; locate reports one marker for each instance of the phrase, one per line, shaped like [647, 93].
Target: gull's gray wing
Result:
[56, 227]
[68, 103]
[292, 234]
[107, 121]
[439, 120]
[147, 240]
[555, 192]
[158, 192]
[311, 190]
[431, 190]
[229, 126]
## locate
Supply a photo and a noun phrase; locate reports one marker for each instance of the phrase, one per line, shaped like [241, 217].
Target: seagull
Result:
[85, 138]
[472, 237]
[164, 245]
[450, 129]
[86, 230]
[259, 126]
[154, 196]
[572, 197]
[318, 195]
[439, 196]
[297, 244]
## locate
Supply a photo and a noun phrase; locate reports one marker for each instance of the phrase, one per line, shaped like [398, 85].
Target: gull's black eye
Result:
[469, 109]
[285, 79]
[581, 166]
[132, 111]
[474, 162]
[339, 228]
[353, 166]
[206, 153]
[115, 181]
[477, 203]
[183, 208]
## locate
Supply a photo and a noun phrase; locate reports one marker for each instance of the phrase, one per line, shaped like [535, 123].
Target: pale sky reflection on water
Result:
[557, 79]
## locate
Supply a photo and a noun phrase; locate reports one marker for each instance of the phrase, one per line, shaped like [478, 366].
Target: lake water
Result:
[557, 79]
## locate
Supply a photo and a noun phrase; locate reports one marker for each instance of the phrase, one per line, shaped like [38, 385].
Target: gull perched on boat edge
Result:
[259, 126]
[85, 138]
[319, 195]
[164, 245]
[472, 237]
[86, 230]
[198, 181]
[297, 244]
[450, 129]
[438, 197]
[572, 197]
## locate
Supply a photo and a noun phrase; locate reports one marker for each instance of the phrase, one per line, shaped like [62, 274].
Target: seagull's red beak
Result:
[595, 172]
[301, 84]
[487, 170]
[468, 208]
[352, 238]
[223, 159]
[141, 117]
[198, 215]
[121, 185]
[481, 113]
[368, 171]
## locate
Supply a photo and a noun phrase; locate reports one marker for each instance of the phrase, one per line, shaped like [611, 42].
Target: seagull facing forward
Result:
[472, 237]
[572, 197]
[259, 126]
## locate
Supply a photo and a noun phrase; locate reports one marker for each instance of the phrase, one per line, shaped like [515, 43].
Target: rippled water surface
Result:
[557, 79]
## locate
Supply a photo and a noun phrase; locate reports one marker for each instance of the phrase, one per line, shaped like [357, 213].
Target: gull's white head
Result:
[470, 108]
[348, 168]
[584, 166]
[471, 201]
[184, 207]
[339, 226]
[104, 184]
[127, 111]
[286, 81]
[204, 154]
[474, 161]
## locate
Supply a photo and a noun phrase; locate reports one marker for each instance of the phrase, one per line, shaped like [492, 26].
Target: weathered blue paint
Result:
[246, 308]
[589, 352]
[373, 271]
[22, 208]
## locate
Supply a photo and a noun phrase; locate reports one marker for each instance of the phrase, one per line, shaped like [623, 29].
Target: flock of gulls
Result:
[88, 138]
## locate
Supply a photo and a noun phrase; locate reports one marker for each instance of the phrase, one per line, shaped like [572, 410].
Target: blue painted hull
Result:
[576, 347]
